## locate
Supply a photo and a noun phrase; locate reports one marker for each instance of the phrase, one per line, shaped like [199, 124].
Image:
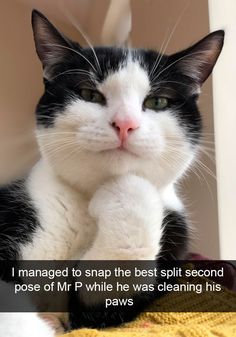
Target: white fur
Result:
[24, 325]
[129, 214]
[65, 224]
[21, 324]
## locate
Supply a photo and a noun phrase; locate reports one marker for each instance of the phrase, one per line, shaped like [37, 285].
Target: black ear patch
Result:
[197, 62]
[51, 45]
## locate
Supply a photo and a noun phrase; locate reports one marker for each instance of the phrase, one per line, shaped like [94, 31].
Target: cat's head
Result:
[108, 111]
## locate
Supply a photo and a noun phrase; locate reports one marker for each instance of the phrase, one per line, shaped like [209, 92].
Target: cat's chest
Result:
[65, 228]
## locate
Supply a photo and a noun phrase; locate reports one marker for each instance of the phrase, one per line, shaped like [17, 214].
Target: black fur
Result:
[175, 237]
[18, 220]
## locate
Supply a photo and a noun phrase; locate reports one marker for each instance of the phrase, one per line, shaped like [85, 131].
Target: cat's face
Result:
[110, 111]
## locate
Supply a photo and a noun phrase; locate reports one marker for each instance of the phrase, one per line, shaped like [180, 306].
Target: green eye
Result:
[92, 96]
[156, 103]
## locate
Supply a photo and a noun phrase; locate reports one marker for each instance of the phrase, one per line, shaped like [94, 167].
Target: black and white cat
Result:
[117, 128]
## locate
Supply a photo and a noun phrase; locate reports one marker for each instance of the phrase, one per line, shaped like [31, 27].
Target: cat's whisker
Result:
[162, 52]
[202, 143]
[79, 29]
[208, 155]
[154, 91]
[194, 169]
[56, 144]
[206, 169]
[58, 137]
[74, 72]
[175, 82]
[200, 147]
[88, 85]
[205, 180]
[55, 150]
[60, 150]
[74, 152]
[178, 152]
[57, 132]
[160, 55]
[59, 140]
[73, 50]
[204, 139]
[178, 60]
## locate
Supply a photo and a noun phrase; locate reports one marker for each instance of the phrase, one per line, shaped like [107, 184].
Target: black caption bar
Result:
[51, 286]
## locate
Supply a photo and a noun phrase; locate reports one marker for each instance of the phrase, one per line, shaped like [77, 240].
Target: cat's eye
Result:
[156, 103]
[92, 96]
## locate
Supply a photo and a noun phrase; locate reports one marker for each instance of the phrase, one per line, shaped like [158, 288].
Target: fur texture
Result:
[94, 194]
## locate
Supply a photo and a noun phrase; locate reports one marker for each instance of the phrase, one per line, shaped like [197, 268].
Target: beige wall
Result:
[222, 14]
[21, 82]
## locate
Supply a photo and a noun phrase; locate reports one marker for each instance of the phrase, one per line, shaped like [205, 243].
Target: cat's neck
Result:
[87, 183]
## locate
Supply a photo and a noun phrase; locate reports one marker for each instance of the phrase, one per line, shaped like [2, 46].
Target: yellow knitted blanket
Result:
[176, 324]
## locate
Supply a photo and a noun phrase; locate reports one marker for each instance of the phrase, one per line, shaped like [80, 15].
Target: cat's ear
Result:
[197, 62]
[51, 45]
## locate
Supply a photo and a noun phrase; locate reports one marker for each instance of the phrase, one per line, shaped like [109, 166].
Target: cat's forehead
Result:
[131, 63]
[130, 78]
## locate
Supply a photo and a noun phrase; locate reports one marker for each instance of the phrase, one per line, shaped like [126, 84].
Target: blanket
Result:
[166, 323]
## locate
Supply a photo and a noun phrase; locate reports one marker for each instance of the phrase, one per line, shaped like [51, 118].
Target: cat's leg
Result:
[19, 324]
[129, 215]
[55, 321]
[24, 325]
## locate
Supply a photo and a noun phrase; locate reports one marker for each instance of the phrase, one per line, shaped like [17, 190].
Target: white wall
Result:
[223, 15]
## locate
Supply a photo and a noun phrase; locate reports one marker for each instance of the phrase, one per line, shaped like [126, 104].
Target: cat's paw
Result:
[122, 194]
[24, 325]
[129, 214]
[54, 322]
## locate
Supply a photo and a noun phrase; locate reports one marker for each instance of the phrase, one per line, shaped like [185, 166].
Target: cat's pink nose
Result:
[124, 127]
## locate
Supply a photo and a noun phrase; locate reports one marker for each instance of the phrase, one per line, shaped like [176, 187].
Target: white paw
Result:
[129, 213]
[122, 194]
[24, 325]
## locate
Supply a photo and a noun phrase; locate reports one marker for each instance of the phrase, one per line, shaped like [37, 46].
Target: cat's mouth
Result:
[119, 151]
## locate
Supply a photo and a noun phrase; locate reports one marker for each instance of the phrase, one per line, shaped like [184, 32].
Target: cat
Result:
[117, 128]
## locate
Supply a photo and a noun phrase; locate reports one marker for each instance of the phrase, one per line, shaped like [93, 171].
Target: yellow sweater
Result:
[176, 324]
